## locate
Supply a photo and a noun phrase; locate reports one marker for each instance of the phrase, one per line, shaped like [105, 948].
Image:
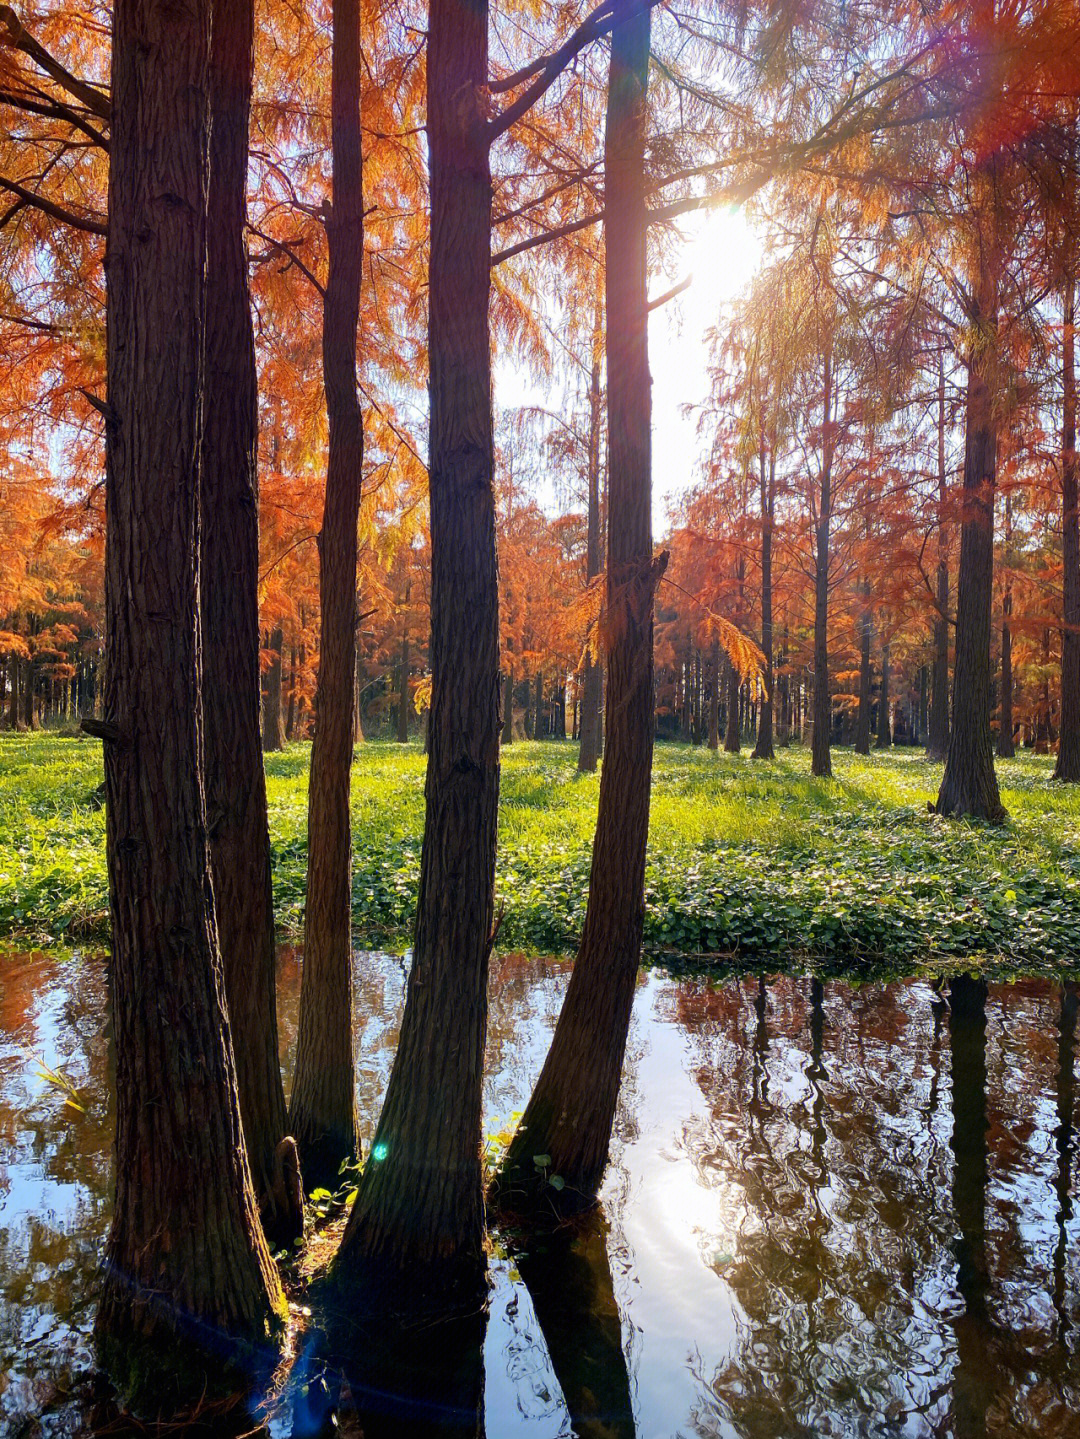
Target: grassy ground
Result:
[749, 860]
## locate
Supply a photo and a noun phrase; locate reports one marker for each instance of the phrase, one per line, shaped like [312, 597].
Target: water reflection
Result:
[831, 1210]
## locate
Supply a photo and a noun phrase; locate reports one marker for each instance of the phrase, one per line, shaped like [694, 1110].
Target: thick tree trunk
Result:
[235, 784]
[820, 755]
[884, 728]
[570, 1114]
[322, 1113]
[592, 684]
[1068, 757]
[866, 633]
[188, 1282]
[272, 736]
[969, 785]
[763, 747]
[938, 740]
[415, 1237]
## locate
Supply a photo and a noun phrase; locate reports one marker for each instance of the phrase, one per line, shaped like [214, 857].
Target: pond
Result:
[831, 1209]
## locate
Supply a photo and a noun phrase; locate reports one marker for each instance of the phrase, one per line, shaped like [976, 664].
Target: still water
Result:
[831, 1209]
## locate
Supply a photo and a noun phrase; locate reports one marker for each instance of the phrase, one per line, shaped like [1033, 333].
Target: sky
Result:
[720, 253]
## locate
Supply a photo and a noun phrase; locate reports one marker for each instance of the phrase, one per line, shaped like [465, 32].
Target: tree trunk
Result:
[28, 695]
[570, 1114]
[1068, 757]
[714, 696]
[1005, 747]
[938, 742]
[272, 736]
[969, 785]
[820, 758]
[763, 748]
[538, 710]
[732, 735]
[235, 783]
[508, 709]
[591, 689]
[415, 1237]
[884, 729]
[403, 693]
[188, 1283]
[866, 634]
[322, 1114]
[290, 713]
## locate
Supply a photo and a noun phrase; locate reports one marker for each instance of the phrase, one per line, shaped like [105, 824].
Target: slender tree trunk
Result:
[323, 1111]
[821, 759]
[1005, 747]
[235, 784]
[538, 710]
[866, 633]
[272, 737]
[28, 695]
[1068, 757]
[358, 688]
[591, 689]
[188, 1282]
[415, 1237]
[508, 709]
[570, 1114]
[714, 696]
[884, 729]
[403, 687]
[13, 698]
[763, 748]
[732, 728]
[938, 742]
[969, 785]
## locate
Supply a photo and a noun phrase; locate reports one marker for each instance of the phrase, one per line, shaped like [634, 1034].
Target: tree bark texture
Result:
[820, 754]
[1068, 756]
[508, 709]
[883, 739]
[591, 746]
[235, 783]
[763, 747]
[415, 1237]
[732, 731]
[273, 737]
[572, 1108]
[714, 696]
[188, 1283]
[322, 1115]
[969, 785]
[866, 635]
[938, 740]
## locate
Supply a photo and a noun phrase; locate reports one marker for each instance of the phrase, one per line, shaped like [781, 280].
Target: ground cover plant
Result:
[748, 861]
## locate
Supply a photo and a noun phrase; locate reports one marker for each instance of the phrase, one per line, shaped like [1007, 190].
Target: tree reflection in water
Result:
[833, 1210]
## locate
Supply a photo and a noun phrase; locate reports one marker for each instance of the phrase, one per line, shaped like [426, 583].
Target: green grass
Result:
[748, 861]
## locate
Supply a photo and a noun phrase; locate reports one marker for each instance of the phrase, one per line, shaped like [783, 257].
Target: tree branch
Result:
[55, 212]
[95, 100]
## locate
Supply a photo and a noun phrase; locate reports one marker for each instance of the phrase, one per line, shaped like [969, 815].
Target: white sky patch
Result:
[722, 252]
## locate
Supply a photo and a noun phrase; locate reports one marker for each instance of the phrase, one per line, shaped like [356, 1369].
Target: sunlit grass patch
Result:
[747, 860]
